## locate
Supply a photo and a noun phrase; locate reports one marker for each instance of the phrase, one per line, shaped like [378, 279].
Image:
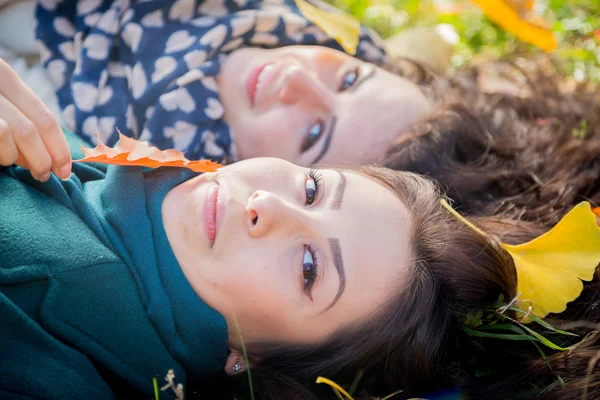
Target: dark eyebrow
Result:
[336, 252]
[334, 119]
[338, 195]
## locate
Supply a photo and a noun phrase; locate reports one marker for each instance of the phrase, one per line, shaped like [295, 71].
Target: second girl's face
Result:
[314, 105]
[293, 253]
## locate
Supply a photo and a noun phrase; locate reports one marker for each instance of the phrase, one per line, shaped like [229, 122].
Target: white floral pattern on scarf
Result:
[149, 67]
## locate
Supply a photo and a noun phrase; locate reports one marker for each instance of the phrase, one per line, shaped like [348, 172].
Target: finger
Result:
[27, 140]
[8, 149]
[46, 124]
[54, 139]
[21, 162]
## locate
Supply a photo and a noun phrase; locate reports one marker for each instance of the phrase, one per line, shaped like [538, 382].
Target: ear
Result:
[235, 357]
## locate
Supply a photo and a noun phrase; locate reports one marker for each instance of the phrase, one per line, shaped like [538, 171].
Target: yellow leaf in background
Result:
[550, 268]
[521, 6]
[511, 15]
[342, 27]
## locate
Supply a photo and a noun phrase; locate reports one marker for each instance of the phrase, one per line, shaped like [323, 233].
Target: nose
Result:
[267, 212]
[302, 86]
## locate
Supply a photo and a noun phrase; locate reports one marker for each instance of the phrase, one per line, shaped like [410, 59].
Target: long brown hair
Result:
[516, 166]
[530, 157]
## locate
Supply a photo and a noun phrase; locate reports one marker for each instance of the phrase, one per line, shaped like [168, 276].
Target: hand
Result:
[30, 135]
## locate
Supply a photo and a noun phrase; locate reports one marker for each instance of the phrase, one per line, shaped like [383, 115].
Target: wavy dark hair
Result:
[516, 165]
[530, 157]
[518, 162]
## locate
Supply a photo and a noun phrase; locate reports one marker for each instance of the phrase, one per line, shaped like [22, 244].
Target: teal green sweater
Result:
[90, 289]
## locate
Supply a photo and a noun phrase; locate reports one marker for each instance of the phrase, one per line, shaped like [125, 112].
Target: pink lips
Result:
[210, 214]
[252, 81]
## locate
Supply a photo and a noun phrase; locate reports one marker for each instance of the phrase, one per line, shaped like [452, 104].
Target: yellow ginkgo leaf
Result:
[512, 16]
[550, 268]
[344, 28]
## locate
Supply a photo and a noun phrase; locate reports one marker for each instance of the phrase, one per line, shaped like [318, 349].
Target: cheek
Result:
[249, 276]
[258, 296]
[275, 134]
[256, 138]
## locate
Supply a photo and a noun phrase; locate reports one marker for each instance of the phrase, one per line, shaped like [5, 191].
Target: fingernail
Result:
[64, 172]
[44, 177]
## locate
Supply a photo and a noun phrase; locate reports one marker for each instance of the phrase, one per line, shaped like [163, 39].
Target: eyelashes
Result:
[310, 266]
[312, 186]
[350, 79]
[310, 269]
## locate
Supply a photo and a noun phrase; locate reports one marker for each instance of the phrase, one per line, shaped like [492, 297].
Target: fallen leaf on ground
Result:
[551, 268]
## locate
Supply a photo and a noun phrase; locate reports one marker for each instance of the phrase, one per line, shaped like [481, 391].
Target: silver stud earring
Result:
[237, 367]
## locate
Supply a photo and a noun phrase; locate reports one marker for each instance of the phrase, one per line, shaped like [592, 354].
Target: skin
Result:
[256, 268]
[316, 93]
[366, 106]
[30, 135]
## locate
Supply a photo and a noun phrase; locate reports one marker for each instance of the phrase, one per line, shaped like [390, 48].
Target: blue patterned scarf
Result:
[149, 68]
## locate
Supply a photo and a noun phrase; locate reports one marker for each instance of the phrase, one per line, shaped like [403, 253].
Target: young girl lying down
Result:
[119, 274]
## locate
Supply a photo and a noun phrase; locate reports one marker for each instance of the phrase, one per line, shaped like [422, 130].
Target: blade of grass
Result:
[156, 392]
[540, 337]
[547, 342]
[473, 332]
[389, 396]
[337, 393]
[503, 327]
[237, 327]
[357, 378]
[561, 382]
[543, 323]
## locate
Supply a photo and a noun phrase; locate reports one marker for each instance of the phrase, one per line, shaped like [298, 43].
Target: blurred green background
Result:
[575, 24]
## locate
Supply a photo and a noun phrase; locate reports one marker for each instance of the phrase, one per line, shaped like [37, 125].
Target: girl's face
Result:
[292, 253]
[314, 105]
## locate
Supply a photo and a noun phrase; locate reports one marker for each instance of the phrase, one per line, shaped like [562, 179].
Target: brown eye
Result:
[314, 134]
[311, 190]
[309, 269]
[312, 185]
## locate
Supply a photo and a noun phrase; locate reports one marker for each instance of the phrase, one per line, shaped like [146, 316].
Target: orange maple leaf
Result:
[596, 211]
[133, 152]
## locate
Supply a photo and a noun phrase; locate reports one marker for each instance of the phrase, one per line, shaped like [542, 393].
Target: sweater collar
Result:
[194, 333]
